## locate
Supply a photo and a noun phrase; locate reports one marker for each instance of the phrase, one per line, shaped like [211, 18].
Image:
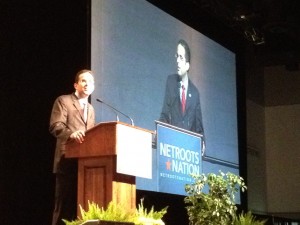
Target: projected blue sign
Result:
[179, 155]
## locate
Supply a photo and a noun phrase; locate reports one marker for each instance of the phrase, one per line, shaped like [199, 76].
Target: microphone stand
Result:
[99, 100]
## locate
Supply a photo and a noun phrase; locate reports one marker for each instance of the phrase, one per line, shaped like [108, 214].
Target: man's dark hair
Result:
[81, 72]
[187, 49]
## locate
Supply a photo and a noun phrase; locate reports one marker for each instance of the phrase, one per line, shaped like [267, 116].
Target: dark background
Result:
[43, 45]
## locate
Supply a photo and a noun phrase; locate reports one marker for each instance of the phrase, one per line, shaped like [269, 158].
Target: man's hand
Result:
[203, 148]
[78, 136]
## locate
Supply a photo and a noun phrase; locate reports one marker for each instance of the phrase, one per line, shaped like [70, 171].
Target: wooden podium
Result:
[108, 161]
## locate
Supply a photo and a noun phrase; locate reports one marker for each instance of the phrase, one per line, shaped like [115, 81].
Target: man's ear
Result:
[75, 86]
[187, 66]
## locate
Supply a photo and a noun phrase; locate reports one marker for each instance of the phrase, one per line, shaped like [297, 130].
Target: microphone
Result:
[117, 111]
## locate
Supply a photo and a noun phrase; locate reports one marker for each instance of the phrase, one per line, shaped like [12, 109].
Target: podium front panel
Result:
[134, 151]
[179, 156]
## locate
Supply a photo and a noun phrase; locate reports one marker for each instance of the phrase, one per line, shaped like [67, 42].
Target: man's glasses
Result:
[181, 58]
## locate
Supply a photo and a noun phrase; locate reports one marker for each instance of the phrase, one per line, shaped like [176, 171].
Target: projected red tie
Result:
[183, 99]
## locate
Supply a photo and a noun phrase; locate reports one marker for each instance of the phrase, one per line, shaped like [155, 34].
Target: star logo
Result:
[168, 165]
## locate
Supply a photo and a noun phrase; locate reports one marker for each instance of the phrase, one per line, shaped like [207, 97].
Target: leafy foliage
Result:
[217, 205]
[248, 219]
[113, 212]
[151, 217]
[119, 213]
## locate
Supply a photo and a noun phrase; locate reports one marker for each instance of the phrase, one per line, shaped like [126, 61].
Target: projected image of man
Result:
[181, 105]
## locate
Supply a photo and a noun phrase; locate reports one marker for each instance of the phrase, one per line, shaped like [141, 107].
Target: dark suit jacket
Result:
[67, 117]
[171, 111]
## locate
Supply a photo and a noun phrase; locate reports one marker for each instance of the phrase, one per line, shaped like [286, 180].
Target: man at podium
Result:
[71, 116]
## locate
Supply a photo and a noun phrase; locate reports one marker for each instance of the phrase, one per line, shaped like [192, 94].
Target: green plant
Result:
[113, 212]
[119, 213]
[216, 206]
[248, 219]
[143, 216]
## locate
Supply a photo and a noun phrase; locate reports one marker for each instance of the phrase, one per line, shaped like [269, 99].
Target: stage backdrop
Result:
[133, 44]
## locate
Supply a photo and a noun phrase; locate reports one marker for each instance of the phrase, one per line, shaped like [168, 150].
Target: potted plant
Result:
[248, 219]
[211, 198]
[116, 214]
[151, 217]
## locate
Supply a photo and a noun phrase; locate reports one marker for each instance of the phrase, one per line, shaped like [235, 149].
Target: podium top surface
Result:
[178, 128]
[103, 139]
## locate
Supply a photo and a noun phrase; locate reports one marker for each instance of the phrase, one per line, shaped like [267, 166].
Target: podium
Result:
[108, 161]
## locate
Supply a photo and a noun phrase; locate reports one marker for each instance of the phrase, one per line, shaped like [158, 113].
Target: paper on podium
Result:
[134, 151]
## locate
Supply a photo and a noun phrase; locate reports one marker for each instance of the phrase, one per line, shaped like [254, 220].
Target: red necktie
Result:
[183, 99]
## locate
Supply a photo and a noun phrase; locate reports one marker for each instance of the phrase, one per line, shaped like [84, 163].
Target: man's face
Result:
[182, 65]
[85, 85]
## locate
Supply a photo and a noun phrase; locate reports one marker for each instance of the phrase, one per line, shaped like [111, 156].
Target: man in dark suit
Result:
[181, 106]
[71, 116]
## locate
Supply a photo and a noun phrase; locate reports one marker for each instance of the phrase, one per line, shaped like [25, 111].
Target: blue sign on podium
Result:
[179, 155]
